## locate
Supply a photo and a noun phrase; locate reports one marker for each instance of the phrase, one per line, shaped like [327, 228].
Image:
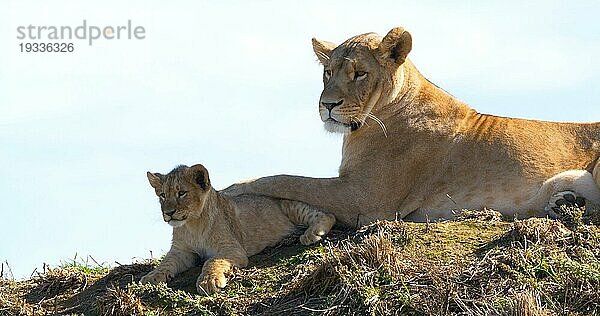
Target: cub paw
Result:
[209, 283]
[156, 277]
[315, 232]
[566, 199]
[309, 238]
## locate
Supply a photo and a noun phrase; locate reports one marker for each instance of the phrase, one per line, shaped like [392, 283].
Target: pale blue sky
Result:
[234, 85]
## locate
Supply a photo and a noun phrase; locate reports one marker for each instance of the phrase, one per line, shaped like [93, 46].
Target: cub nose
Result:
[170, 213]
[330, 105]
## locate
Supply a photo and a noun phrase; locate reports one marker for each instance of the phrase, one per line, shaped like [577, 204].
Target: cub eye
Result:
[327, 73]
[162, 196]
[359, 75]
[181, 193]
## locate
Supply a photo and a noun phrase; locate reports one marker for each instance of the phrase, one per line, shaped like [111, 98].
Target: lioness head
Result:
[181, 192]
[359, 74]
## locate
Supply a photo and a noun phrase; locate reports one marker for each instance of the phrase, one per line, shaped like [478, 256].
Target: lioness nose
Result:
[170, 213]
[330, 105]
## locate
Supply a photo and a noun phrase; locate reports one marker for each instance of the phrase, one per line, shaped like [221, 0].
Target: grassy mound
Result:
[475, 265]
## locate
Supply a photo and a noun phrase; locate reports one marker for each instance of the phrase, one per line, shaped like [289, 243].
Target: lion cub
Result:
[225, 230]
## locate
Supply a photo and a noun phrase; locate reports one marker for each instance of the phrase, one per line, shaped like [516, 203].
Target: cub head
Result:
[181, 192]
[360, 73]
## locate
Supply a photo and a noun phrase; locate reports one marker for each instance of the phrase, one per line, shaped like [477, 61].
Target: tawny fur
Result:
[225, 230]
[413, 151]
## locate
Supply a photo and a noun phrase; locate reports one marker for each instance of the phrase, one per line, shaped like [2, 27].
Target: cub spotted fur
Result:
[225, 230]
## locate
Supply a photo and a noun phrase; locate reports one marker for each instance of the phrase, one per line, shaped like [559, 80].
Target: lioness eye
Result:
[327, 73]
[181, 193]
[162, 196]
[359, 74]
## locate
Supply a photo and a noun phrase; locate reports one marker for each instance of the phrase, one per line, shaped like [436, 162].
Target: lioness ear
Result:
[155, 179]
[323, 50]
[395, 46]
[197, 174]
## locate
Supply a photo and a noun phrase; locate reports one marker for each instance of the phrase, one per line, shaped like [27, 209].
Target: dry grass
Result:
[485, 215]
[117, 301]
[477, 265]
[11, 300]
[540, 230]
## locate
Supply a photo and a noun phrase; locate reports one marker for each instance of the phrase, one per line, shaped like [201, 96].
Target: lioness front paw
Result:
[155, 277]
[566, 199]
[210, 282]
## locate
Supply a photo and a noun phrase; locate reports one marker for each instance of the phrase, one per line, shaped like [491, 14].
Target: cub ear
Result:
[155, 179]
[395, 46]
[323, 50]
[197, 174]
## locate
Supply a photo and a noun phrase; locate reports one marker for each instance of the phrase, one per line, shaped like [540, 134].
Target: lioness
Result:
[225, 230]
[425, 152]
